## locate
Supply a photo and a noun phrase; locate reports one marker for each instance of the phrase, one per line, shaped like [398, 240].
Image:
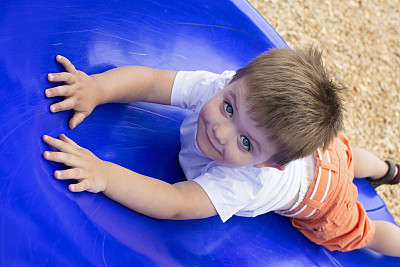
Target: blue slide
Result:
[43, 224]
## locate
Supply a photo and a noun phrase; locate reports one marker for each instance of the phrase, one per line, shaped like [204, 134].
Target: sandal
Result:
[389, 177]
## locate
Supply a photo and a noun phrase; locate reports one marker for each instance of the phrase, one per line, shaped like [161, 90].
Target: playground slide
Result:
[43, 224]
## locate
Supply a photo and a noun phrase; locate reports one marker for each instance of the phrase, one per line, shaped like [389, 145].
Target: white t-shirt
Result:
[246, 191]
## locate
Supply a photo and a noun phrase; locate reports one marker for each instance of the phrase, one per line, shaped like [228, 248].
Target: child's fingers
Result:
[79, 187]
[66, 104]
[66, 77]
[74, 173]
[59, 144]
[62, 90]
[68, 140]
[61, 157]
[76, 119]
[66, 63]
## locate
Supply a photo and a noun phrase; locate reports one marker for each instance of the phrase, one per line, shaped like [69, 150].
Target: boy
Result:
[267, 138]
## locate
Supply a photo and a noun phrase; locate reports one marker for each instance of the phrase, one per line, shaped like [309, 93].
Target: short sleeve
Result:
[192, 89]
[230, 190]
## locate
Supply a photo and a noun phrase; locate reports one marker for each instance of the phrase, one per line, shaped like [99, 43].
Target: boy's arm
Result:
[149, 196]
[135, 83]
[83, 93]
[156, 198]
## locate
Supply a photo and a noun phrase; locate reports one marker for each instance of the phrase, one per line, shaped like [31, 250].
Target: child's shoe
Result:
[389, 177]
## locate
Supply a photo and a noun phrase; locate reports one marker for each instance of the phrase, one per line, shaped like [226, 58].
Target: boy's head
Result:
[291, 97]
[227, 134]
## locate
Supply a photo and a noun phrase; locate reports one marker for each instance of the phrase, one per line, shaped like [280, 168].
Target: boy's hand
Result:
[79, 92]
[89, 170]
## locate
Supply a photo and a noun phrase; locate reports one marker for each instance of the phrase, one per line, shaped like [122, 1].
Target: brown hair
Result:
[290, 95]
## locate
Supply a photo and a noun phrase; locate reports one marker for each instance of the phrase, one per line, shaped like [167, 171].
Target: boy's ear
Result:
[270, 165]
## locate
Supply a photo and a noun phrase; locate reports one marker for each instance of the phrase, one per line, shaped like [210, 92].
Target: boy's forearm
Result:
[135, 83]
[149, 196]
[146, 195]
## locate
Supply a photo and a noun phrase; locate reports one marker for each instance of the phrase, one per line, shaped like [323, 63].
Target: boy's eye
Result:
[228, 109]
[245, 142]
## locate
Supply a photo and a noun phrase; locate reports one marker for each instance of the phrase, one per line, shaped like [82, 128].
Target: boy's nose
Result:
[221, 132]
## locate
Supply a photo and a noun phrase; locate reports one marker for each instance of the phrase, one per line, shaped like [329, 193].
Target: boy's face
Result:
[226, 134]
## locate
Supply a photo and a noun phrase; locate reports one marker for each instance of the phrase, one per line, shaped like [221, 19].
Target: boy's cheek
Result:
[204, 111]
[210, 108]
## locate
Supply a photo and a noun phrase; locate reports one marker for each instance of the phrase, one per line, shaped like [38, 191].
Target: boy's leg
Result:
[386, 239]
[367, 164]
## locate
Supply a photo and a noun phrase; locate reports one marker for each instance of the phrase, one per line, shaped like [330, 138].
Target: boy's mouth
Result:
[210, 140]
[203, 126]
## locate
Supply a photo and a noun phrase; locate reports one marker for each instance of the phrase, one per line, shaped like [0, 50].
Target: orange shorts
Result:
[330, 215]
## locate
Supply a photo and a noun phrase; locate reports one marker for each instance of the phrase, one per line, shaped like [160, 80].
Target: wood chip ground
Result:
[361, 43]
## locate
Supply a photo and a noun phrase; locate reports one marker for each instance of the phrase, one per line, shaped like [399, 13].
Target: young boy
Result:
[266, 138]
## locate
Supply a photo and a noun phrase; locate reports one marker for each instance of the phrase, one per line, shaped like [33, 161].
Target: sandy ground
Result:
[361, 42]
